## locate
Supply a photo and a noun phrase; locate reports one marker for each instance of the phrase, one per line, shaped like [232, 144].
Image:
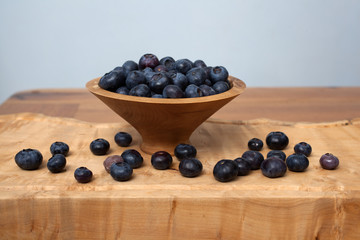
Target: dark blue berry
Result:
[111, 80]
[183, 65]
[59, 148]
[168, 62]
[243, 166]
[273, 167]
[129, 66]
[329, 161]
[99, 146]
[276, 153]
[122, 90]
[297, 162]
[192, 91]
[56, 163]
[303, 148]
[141, 90]
[111, 160]
[161, 160]
[83, 175]
[123, 139]
[132, 157]
[196, 76]
[190, 167]
[28, 159]
[179, 80]
[183, 151]
[135, 78]
[254, 158]
[158, 82]
[121, 171]
[172, 91]
[207, 90]
[199, 63]
[255, 144]
[225, 170]
[221, 87]
[148, 60]
[277, 140]
[218, 73]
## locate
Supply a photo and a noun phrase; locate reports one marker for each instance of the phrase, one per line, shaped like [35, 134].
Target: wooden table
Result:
[316, 206]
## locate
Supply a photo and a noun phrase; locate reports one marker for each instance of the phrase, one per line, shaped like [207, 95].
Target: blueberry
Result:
[190, 167]
[207, 90]
[255, 144]
[179, 80]
[99, 146]
[157, 96]
[273, 167]
[135, 78]
[183, 65]
[148, 76]
[111, 160]
[121, 74]
[59, 148]
[158, 82]
[183, 151]
[196, 76]
[199, 63]
[225, 170]
[277, 140]
[221, 87]
[56, 163]
[297, 162]
[328, 161]
[111, 80]
[168, 62]
[161, 160]
[243, 166]
[276, 153]
[192, 91]
[121, 171]
[132, 157]
[141, 90]
[303, 148]
[28, 159]
[148, 60]
[122, 90]
[172, 91]
[123, 139]
[129, 66]
[83, 175]
[160, 68]
[218, 73]
[254, 158]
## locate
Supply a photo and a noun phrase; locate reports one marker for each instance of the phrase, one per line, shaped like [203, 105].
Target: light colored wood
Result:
[165, 123]
[316, 204]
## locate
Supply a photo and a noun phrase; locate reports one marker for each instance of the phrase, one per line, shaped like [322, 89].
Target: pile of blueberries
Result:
[121, 166]
[166, 78]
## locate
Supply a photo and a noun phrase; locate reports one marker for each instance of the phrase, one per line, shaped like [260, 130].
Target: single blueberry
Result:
[111, 160]
[207, 90]
[168, 62]
[172, 91]
[254, 158]
[158, 82]
[161, 160]
[56, 163]
[129, 66]
[329, 161]
[218, 73]
[276, 153]
[183, 65]
[221, 87]
[29, 159]
[123, 139]
[135, 78]
[192, 91]
[83, 175]
[196, 76]
[190, 167]
[303, 148]
[132, 157]
[183, 151]
[243, 166]
[148, 60]
[225, 170]
[121, 171]
[277, 140]
[179, 80]
[255, 144]
[111, 80]
[141, 90]
[99, 146]
[297, 162]
[122, 90]
[199, 63]
[59, 148]
[273, 167]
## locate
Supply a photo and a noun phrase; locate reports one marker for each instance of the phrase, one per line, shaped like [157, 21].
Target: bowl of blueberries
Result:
[165, 100]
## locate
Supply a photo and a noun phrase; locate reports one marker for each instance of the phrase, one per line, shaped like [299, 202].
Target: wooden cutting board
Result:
[154, 204]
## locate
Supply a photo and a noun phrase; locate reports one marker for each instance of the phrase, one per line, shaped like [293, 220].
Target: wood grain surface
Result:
[285, 104]
[154, 204]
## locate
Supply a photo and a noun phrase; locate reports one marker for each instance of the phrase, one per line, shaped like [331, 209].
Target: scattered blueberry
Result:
[56, 163]
[254, 158]
[111, 160]
[99, 146]
[243, 166]
[121, 171]
[277, 140]
[276, 153]
[329, 161]
[59, 148]
[123, 139]
[273, 167]
[161, 160]
[225, 170]
[28, 159]
[297, 162]
[83, 175]
[190, 167]
[255, 144]
[183, 151]
[303, 148]
[132, 157]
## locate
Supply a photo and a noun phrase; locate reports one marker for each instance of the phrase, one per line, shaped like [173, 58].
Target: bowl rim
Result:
[238, 87]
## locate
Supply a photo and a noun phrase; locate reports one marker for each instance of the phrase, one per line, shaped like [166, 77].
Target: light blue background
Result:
[65, 43]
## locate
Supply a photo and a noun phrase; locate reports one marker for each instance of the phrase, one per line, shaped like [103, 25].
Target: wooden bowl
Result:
[164, 123]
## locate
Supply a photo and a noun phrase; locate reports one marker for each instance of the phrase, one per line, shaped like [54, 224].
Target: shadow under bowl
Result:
[165, 123]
